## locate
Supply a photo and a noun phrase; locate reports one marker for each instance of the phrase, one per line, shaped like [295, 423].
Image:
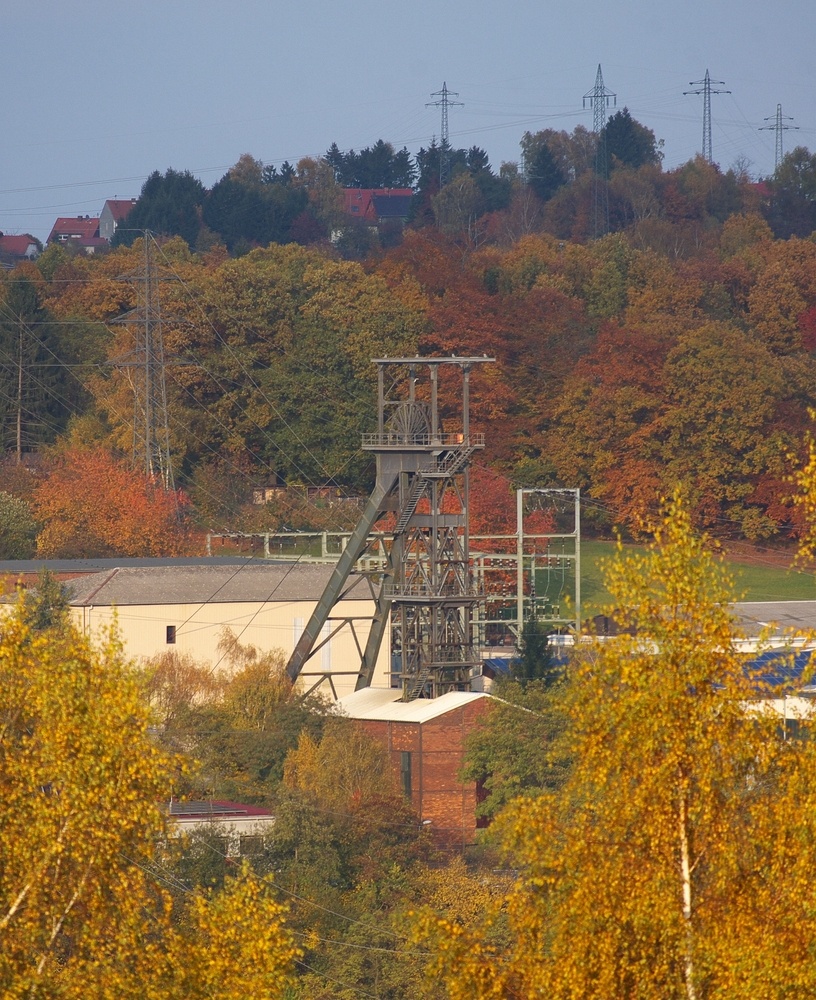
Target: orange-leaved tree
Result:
[93, 504]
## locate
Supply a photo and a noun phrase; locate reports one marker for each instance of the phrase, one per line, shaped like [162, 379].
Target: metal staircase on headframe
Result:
[425, 586]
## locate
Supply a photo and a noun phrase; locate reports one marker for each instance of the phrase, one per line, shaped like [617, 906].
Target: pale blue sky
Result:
[99, 93]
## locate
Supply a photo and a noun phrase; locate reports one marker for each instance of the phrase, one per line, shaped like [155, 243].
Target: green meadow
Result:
[755, 581]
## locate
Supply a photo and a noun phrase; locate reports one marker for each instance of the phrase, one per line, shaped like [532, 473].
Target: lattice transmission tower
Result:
[425, 587]
[600, 100]
[145, 364]
[444, 103]
[779, 127]
[706, 87]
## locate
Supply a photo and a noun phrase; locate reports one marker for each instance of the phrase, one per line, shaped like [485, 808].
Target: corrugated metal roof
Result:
[162, 585]
[385, 705]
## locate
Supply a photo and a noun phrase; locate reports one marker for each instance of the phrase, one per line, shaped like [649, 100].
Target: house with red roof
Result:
[114, 211]
[80, 230]
[377, 205]
[13, 249]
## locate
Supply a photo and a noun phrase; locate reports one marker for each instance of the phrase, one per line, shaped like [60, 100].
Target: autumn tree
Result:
[723, 390]
[670, 863]
[248, 207]
[92, 503]
[521, 747]
[542, 171]
[348, 840]
[573, 152]
[627, 143]
[377, 166]
[17, 528]
[83, 908]
[792, 208]
[34, 403]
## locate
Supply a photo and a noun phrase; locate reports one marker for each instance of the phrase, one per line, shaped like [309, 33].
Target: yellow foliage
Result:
[346, 768]
[677, 861]
[81, 786]
[805, 498]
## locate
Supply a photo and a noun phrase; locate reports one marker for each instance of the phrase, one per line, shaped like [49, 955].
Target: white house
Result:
[233, 828]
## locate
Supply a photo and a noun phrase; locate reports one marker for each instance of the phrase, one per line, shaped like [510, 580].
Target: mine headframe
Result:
[423, 583]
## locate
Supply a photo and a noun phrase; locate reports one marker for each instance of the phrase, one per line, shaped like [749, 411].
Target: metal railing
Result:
[390, 439]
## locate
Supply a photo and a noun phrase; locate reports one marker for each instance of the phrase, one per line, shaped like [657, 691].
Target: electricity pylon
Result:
[444, 102]
[600, 99]
[778, 119]
[705, 88]
[422, 485]
[151, 434]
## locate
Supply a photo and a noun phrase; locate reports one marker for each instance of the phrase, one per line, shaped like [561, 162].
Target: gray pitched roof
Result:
[266, 581]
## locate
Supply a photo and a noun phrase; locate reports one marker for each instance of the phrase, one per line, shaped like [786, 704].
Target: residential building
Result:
[80, 231]
[232, 828]
[114, 211]
[14, 249]
[378, 205]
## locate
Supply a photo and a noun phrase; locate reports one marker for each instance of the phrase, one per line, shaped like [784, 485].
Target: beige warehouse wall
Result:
[143, 630]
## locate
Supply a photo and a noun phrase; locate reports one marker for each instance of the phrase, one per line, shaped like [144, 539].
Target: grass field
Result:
[754, 581]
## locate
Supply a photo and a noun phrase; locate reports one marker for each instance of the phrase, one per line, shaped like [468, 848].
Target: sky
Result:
[97, 94]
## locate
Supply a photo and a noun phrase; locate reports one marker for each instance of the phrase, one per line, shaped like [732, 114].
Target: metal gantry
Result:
[535, 573]
[445, 101]
[599, 99]
[421, 494]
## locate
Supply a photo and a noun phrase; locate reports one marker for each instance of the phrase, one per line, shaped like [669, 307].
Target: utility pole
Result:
[444, 102]
[705, 88]
[599, 99]
[779, 128]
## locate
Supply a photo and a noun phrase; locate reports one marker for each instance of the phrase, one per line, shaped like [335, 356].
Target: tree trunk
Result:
[685, 872]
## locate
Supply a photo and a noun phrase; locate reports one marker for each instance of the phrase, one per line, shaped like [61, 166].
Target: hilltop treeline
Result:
[675, 348]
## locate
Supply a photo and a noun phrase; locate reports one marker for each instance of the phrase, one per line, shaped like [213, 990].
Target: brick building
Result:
[425, 741]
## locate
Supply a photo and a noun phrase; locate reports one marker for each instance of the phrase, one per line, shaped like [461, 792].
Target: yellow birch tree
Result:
[677, 862]
[83, 907]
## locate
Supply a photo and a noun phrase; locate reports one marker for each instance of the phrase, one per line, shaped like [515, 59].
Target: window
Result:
[405, 773]
[171, 635]
[251, 846]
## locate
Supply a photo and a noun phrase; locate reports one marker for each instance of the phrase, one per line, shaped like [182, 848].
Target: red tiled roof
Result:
[214, 808]
[119, 207]
[82, 227]
[17, 245]
[359, 202]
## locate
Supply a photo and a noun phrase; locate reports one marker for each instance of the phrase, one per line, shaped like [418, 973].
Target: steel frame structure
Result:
[422, 485]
